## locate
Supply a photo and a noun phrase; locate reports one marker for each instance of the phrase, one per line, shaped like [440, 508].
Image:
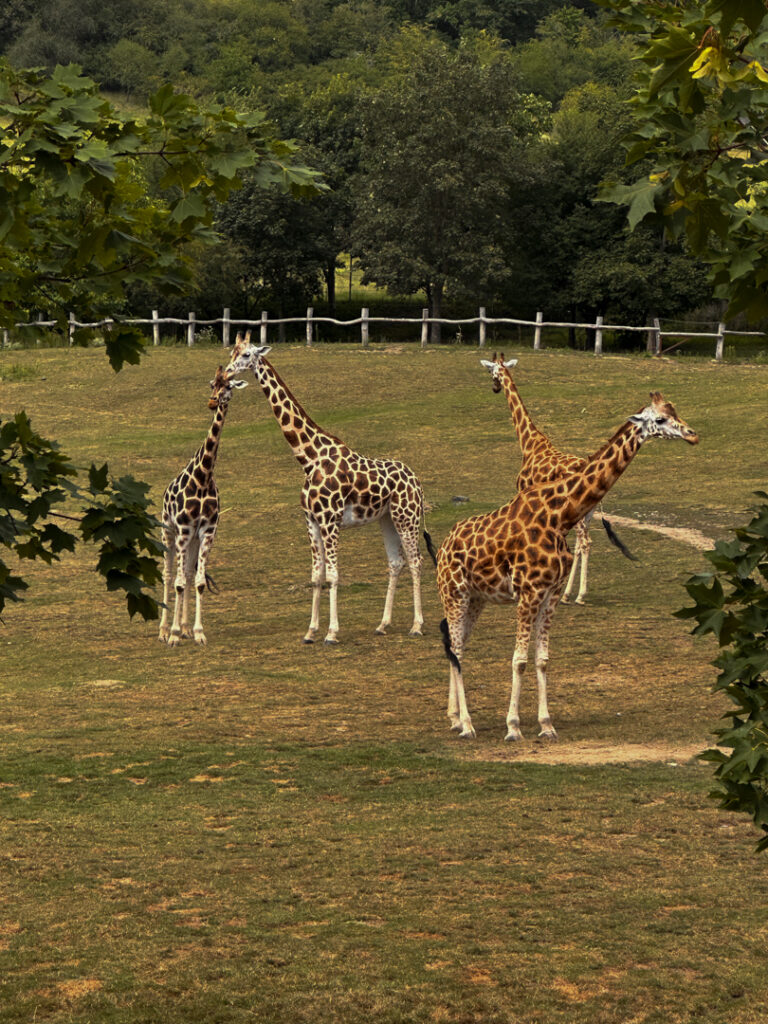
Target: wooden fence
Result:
[653, 332]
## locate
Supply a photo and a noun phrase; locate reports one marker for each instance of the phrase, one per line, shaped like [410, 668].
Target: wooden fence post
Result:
[71, 329]
[719, 342]
[155, 327]
[424, 327]
[656, 337]
[481, 329]
[537, 331]
[310, 314]
[225, 327]
[263, 328]
[364, 327]
[191, 330]
[598, 336]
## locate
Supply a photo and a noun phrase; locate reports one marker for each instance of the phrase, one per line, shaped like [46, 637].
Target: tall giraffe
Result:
[518, 553]
[542, 462]
[342, 488]
[190, 518]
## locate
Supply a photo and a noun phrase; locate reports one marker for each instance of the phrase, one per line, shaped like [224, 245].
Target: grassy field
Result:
[264, 831]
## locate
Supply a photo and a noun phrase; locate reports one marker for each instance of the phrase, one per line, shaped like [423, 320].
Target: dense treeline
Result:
[463, 144]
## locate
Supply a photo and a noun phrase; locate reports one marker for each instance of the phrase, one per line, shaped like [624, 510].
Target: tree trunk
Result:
[330, 283]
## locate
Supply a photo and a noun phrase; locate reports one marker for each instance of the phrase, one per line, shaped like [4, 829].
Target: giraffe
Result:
[341, 489]
[190, 517]
[518, 553]
[542, 463]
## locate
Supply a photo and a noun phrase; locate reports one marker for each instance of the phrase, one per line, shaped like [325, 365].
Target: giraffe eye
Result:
[661, 419]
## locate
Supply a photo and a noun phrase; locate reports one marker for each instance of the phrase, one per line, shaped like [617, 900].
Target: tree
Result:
[731, 602]
[701, 109]
[439, 144]
[279, 238]
[77, 229]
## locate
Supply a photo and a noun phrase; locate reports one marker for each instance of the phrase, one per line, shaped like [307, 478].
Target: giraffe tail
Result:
[430, 547]
[612, 537]
[210, 582]
[447, 644]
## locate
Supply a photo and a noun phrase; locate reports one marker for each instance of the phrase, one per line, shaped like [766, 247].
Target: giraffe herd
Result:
[516, 554]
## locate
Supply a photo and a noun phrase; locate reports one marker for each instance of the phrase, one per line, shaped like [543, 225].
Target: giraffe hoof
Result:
[174, 640]
[415, 632]
[200, 639]
[456, 726]
[187, 634]
[381, 630]
[513, 735]
[308, 640]
[565, 599]
[467, 733]
[580, 600]
[331, 640]
[548, 732]
[163, 637]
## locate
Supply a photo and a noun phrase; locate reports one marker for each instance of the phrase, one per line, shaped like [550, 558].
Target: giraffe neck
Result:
[300, 430]
[206, 455]
[527, 431]
[586, 488]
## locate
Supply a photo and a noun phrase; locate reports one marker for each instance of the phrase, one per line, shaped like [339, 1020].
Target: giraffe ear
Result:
[487, 364]
[263, 349]
[510, 363]
[239, 384]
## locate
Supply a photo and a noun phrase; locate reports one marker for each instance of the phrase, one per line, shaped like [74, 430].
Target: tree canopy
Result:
[701, 108]
[92, 204]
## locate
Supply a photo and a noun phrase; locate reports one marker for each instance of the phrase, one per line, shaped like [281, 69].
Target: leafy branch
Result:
[731, 602]
[35, 475]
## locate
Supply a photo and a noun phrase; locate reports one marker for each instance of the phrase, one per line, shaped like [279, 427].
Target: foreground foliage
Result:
[732, 603]
[36, 477]
[94, 203]
[701, 106]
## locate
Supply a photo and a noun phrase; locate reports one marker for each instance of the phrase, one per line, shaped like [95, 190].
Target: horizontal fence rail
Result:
[653, 331]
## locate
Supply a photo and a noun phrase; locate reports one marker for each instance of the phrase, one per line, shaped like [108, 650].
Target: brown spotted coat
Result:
[518, 553]
[343, 488]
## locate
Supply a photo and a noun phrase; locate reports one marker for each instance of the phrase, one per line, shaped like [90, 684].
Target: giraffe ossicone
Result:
[518, 553]
[343, 488]
[190, 518]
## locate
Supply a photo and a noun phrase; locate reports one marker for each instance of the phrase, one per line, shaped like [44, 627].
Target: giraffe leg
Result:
[330, 544]
[458, 712]
[190, 564]
[182, 543]
[169, 540]
[543, 625]
[396, 561]
[527, 611]
[410, 542]
[581, 530]
[457, 703]
[207, 535]
[586, 544]
[318, 577]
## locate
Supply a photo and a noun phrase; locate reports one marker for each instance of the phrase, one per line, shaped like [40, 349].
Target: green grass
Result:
[261, 830]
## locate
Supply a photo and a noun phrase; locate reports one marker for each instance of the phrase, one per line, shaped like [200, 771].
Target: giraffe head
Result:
[222, 387]
[659, 419]
[245, 356]
[496, 367]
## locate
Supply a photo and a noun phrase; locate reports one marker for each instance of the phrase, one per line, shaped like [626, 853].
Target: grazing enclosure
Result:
[259, 830]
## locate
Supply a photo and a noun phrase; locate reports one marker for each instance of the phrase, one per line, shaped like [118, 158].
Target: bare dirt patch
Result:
[685, 535]
[589, 753]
